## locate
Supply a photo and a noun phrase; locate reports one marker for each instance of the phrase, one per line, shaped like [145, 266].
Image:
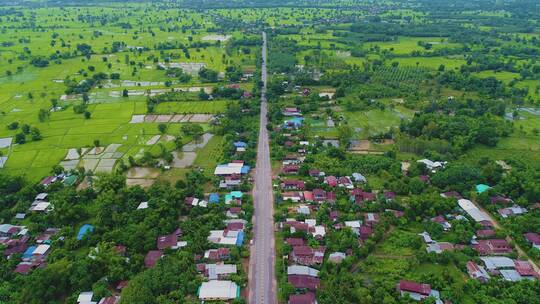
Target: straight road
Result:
[262, 283]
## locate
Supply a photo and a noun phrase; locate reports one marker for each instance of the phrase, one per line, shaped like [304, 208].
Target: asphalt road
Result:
[262, 284]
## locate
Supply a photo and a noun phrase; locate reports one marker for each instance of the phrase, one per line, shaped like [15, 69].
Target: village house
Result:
[319, 195]
[305, 255]
[235, 167]
[292, 184]
[331, 181]
[315, 173]
[226, 237]
[219, 254]
[291, 169]
[432, 165]
[418, 291]
[336, 257]
[170, 241]
[500, 200]
[307, 298]
[442, 221]
[477, 272]
[533, 239]
[291, 111]
[219, 271]
[345, 182]
[293, 196]
[234, 212]
[152, 257]
[512, 211]
[217, 290]
[492, 247]
[371, 219]
[304, 282]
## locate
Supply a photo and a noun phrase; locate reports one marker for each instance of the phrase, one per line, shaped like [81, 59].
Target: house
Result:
[336, 257]
[85, 230]
[152, 257]
[331, 197]
[293, 123]
[315, 173]
[512, 211]
[359, 178]
[217, 290]
[358, 196]
[302, 270]
[193, 202]
[219, 271]
[47, 181]
[389, 196]
[234, 212]
[292, 196]
[533, 239]
[225, 237]
[427, 238]
[485, 233]
[481, 188]
[230, 181]
[142, 205]
[220, 254]
[295, 242]
[110, 300]
[308, 196]
[304, 282]
[500, 200]
[438, 248]
[331, 181]
[418, 291]
[477, 272]
[170, 241]
[432, 165]
[292, 159]
[492, 247]
[213, 198]
[346, 182]
[240, 146]
[233, 196]
[235, 167]
[473, 211]
[526, 270]
[307, 298]
[40, 206]
[41, 197]
[451, 194]
[85, 298]
[365, 232]
[293, 184]
[354, 225]
[291, 111]
[305, 255]
[319, 195]
[291, 169]
[496, 263]
[371, 219]
[7, 230]
[442, 221]
[318, 232]
[303, 209]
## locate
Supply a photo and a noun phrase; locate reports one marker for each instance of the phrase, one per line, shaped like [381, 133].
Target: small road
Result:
[262, 283]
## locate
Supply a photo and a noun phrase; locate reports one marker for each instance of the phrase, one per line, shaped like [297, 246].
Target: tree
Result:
[35, 134]
[162, 128]
[43, 115]
[96, 143]
[345, 133]
[125, 93]
[87, 115]
[20, 138]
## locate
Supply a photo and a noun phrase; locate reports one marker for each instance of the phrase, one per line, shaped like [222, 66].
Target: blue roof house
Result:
[213, 198]
[482, 188]
[29, 252]
[85, 229]
[240, 144]
[233, 195]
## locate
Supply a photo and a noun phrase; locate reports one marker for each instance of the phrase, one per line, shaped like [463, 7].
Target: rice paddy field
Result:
[77, 44]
